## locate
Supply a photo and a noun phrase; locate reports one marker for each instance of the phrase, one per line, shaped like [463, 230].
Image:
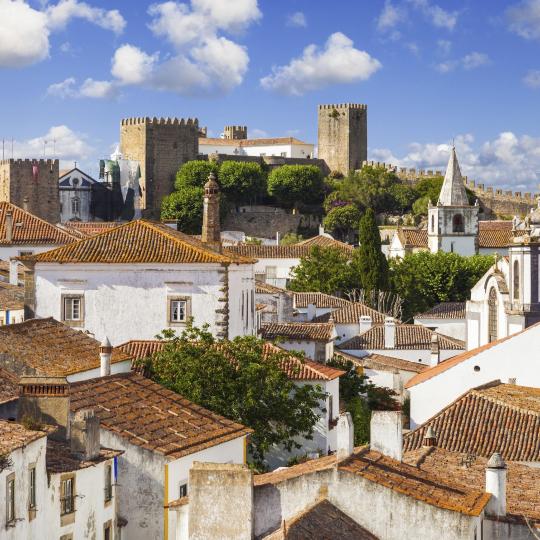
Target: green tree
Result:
[186, 206]
[324, 270]
[368, 260]
[403, 197]
[195, 173]
[294, 184]
[290, 238]
[428, 189]
[241, 381]
[342, 220]
[242, 181]
[424, 279]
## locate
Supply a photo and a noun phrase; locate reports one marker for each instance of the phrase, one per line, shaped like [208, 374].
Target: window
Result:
[432, 223]
[25, 253]
[67, 497]
[73, 309]
[516, 280]
[283, 154]
[10, 498]
[492, 315]
[271, 272]
[75, 205]
[182, 491]
[179, 310]
[107, 531]
[32, 488]
[108, 482]
[457, 224]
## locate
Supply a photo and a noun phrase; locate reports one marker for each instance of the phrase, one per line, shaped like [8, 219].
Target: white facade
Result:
[454, 328]
[125, 302]
[276, 272]
[315, 350]
[238, 147]
[420, 356]
[75, 190]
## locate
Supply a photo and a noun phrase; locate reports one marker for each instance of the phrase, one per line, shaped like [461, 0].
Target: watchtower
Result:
[161, 146]
[342, 137]
[32, 184]
[235, 132]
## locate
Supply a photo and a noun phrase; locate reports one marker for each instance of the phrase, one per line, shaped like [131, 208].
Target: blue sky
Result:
[429, 70]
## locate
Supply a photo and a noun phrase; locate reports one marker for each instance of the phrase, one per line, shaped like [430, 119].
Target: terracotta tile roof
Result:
[383, 362]
[48, 347]
[416, 482]
[29, 229]
[413, 238]
[215, 141]
[498, 417]
[321, 300]
[320, 521]
[59, 458]
[444, 310]
[151, 416]
[260, 307]
[493, 234]
[351, 313]
[298, 331]
[14, 436]
[83, 229]
[139, 242]
[408, 336]
[325, 241]
[455, 360]
[9, 386]
[11, 296]
[266, 288]
[522, 493]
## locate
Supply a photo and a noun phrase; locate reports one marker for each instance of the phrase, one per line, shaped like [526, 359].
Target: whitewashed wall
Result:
[417, 356]
[456, 328]
[234, 148]
[283, 269]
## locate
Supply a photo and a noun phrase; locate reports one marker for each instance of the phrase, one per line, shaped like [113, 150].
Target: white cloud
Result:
[90, 88]
[444, 46]
[470, 61]
[297, 19]
[509, 161]
[229, 15]
[25, 31]
[131, 65]
[524, 19]
[62, 89]
[532, 78]
[390, 16]
[438, 16]
[338, 62]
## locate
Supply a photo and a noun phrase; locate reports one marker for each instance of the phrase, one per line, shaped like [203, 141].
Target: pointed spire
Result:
[453, 190]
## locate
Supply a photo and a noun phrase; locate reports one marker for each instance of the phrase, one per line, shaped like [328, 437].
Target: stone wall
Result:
[32, 184]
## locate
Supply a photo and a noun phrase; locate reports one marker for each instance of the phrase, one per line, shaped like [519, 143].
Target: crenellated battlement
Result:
[236, 128]
[361, 106]
[28, 162]
[159, 121]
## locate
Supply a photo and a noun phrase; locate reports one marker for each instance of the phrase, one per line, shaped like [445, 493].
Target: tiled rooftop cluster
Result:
[298, 331]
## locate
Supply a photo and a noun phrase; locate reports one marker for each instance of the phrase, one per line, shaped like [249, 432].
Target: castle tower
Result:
[211, 233]
[32, 184]
[235, 132]
[342, 138]
[160, 146]
[453, 222]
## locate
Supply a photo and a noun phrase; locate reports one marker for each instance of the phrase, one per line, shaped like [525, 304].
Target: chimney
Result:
[389, 333]
[496, 485]
[364, 323]
[84, 434]
[105, 353]
[211, 234]
[215, 490]
[345, 436]
[13, 272]
[9, 226]
[386, 434]
[435, 350]
[25, 204]
[430, 438]
[311, 312]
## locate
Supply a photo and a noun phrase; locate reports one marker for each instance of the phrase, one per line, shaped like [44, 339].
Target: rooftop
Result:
[453, 191]
[49, 348]
[218, 141]
[266, 288]
[444, 310]
[14, 436]
[139, 241]
[413, 237]
[321, 300]
[468, 424]
[11, 296]
[298, 331]
[494, 234]
[83, 229]
[351, 313]
[9, 386]
[60, 459]
[151, 416]
[383, 363]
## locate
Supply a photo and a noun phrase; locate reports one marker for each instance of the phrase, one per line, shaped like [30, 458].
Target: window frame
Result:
[73, 296]
[177, 298]
[183, 489]
[32, 488]
[11, 506]
[75, 205]
[108, 490]
[67, 510]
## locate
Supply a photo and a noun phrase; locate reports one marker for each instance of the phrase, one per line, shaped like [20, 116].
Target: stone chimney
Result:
[386, 433]
[430, 438]
[25, 204]
[435, 356]
[345, 436]
[211, 233]
[105, 353]
[220, 501]
[365, 323]
[496, 485]
[13, 272]
[84, 434]
[9, 226]
[389, 333]
[311, 312]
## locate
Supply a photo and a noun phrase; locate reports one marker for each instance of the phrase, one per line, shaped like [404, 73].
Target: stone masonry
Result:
[342, 138]
[161, 146]
[32, 184]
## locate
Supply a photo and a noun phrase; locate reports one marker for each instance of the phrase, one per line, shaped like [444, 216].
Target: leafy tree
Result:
[342, 220]
[420, 206]
[368, 260]
[290, 238]
[424, 279]
[428, 189]
[240, 381]
[324, 270]
[186, 206]
[293, 184]
[403, 197]
[195, 173]
[242, 181]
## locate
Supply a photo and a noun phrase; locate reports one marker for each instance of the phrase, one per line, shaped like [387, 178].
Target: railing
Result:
[67, 505]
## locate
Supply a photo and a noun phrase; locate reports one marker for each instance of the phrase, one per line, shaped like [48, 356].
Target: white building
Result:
[446, 318]
[288, 147]
[75, 187]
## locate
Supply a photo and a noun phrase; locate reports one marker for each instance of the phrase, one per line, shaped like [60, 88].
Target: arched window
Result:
[516, 280]
[75, 205]
[432, 223]
[457, 223]
[492, 315]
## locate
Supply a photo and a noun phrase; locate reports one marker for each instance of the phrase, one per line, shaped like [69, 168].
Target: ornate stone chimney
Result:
[496, 485]
[211, 233]
[389, 333]
[430, 438]
[9, 226]
[105, 353]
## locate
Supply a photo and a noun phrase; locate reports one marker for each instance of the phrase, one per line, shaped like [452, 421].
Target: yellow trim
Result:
[165, 503]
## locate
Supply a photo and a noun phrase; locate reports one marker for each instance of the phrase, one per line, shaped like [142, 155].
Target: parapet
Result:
[28, 162]
[159, 121]
[361, 106]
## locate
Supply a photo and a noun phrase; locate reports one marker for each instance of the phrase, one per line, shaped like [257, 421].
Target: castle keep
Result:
[342, 136]
[32, 184]
[161, 146]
